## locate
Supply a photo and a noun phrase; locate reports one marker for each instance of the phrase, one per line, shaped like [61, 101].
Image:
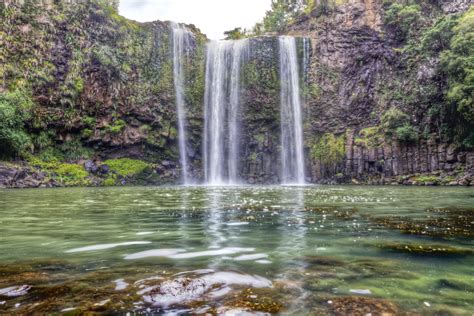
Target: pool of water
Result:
[297, 250]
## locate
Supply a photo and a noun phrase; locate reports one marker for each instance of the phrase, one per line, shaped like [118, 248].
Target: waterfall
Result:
[292, 152]
[221, 111]
[182, 39]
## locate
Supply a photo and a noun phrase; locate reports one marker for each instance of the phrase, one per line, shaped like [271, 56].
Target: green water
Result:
[296, 250]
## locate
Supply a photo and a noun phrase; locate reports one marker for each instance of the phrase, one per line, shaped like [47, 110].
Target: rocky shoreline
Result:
[21, 175]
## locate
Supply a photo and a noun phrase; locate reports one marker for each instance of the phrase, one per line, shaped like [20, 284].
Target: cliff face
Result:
[101, 85]
[366, 72]
[94, 86]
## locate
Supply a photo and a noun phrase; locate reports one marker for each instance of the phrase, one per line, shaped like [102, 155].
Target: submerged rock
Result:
[355, 305]
[426, 250]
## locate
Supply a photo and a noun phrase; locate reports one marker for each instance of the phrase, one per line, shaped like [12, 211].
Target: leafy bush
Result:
[407, 133]
[370, 137]
[116, 127]
[458, 63]
[402, 19]
[438, 37]
[127, 167]
[15, 111]
[393, 119]
[329, 149]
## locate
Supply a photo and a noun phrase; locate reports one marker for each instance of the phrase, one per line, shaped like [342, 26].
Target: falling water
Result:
[222, 100]
[292, 155]
[182, 39]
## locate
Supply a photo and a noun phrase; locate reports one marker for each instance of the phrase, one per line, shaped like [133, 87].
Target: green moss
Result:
[369, 137]
[110, 181]
[426, 179]
[127, 167]
[117, 126]
[426, 250]
[71, 171]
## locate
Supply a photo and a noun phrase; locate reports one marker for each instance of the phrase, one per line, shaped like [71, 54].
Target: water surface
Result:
[304, 250]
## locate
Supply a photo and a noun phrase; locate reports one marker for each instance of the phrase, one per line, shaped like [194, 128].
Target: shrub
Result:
[402, 18]
[407, 133]
[393, 119]
[370, 137]
[15, 111]
[116, 127]
[329, 149]
[458, 64]
[127, 167]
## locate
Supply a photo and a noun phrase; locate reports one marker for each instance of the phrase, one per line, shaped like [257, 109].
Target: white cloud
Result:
[213, 17]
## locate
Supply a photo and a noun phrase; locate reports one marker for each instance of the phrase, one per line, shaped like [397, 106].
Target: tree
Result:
[235, 34]
[15, 111]
[458, 63]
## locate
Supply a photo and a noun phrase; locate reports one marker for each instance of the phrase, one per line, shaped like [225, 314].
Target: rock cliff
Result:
[96, 92]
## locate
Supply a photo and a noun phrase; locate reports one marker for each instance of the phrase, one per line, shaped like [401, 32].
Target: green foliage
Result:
[126, 167]
[396, 123]
[67, 174]
[329, 149]
[438, 37]
[89, 121]
[458, 64]
[71, 173]
[407, 133]
[235, 34]
[402, 19]
[393, 119]
[15, 111]
[426, 179]
[370, 137]
[117, 126]
[278, 17]
[110, 181]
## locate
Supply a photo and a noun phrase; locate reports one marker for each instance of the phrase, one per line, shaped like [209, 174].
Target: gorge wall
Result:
[367, 72]
[95, 92]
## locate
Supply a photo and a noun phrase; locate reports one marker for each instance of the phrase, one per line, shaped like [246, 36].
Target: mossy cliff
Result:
[79, 82]
[394, 91]
[387, 93]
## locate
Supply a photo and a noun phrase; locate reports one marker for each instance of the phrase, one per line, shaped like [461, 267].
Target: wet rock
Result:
[91, 167]
[354, 305]
[103, 169]
[177, 291]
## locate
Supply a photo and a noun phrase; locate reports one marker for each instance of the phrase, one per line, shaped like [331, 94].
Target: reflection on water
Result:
[299, 250]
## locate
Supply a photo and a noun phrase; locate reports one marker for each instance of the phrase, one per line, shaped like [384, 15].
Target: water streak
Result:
[292, 155]
[182, 39]
[222, 104]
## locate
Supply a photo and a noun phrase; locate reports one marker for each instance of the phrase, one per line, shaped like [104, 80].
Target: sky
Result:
[213, 17]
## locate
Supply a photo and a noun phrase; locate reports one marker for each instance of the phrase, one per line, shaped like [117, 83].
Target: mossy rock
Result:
[355, 305]
[126, 167]
[426, 250]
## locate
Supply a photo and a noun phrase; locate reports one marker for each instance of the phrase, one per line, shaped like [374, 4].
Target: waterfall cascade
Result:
[222, 103]
[292, 152]
[182, 40]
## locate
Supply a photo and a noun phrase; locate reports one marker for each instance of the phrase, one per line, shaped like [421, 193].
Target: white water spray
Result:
[221, 112]
[182, 39]
[292, 151]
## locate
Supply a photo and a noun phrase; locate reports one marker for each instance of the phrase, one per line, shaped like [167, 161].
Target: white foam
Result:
[144, 233]
[107, 246]
[238, 224]
[180, 254]
[251, 257]
[154, 253]
[120, 284]
[361, 292]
